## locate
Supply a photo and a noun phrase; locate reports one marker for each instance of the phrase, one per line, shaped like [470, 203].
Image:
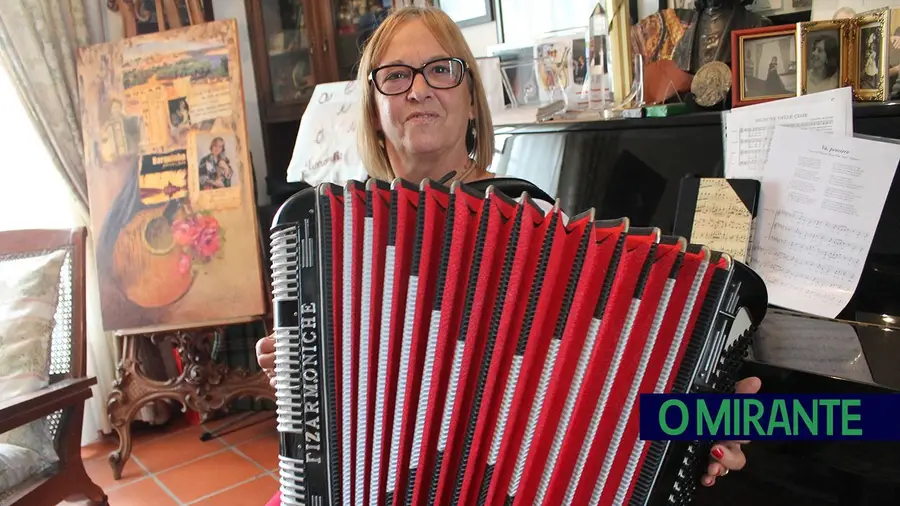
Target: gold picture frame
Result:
[819, 43]
[869, 51]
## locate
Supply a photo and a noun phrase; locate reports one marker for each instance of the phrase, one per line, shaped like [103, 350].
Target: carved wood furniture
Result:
[203, 386]
[61, 403]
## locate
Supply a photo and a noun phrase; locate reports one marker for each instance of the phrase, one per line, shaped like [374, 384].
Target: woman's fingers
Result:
[265, 353]
[729, 455]
[749, 385]
[713, 471]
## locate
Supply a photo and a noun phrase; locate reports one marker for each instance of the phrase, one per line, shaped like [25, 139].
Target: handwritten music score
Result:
[748, 130]
[721, 220]
[822, 198]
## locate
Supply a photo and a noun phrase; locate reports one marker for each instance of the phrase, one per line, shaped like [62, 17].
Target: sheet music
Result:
[822, 199]
[808, 344]
[721, 220]
[748, 130]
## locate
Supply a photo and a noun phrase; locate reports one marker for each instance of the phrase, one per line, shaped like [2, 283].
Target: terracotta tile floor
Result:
[170, 466]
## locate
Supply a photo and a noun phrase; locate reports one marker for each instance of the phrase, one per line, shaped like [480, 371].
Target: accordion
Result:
[472, 344]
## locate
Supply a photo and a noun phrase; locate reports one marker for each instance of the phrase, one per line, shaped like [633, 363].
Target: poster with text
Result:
[172, 210]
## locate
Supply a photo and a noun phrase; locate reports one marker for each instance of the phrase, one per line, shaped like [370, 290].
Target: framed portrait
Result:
[764, 64]
[870, 54]
[822, 57]
[893, 55]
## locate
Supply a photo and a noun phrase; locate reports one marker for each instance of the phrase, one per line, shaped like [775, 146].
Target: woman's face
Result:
[216, 149]
[818, 57]
[423, 120]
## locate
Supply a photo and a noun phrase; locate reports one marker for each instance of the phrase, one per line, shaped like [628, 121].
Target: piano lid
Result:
[860, 352]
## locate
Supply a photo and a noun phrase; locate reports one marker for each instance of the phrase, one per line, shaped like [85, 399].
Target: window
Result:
[33, 194]
[524, 20]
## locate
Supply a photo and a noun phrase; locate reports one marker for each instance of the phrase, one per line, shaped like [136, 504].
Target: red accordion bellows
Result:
[448, 346]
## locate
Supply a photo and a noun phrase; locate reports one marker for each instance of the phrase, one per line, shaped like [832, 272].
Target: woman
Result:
[438, 126]
[823, 64]
[215, 169]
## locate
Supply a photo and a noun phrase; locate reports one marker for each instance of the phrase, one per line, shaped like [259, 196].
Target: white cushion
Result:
[18, 464]
[29, 293]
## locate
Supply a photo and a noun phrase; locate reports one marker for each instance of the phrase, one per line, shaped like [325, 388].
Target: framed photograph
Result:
[893, 52]
[822, 57]
[764, 64]
[871, 36]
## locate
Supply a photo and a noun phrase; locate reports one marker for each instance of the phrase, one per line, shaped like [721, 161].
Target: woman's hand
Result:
[727, 456]
[265, 355]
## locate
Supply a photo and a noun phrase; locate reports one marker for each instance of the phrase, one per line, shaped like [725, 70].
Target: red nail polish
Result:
[718, 453]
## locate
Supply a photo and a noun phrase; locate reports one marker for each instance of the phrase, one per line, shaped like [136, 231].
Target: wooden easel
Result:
[203, 385]
[167, 14]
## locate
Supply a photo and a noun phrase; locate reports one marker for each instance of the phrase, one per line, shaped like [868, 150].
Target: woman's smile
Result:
[422, 118]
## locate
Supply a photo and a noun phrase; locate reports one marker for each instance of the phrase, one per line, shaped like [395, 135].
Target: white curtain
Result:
[34, 194]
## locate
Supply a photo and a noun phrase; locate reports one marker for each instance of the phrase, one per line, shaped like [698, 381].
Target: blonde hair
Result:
[448, 35]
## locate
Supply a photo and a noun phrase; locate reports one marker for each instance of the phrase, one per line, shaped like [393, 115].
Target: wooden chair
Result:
[62, 402]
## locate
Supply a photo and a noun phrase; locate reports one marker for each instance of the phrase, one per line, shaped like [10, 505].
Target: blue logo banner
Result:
[873, 417]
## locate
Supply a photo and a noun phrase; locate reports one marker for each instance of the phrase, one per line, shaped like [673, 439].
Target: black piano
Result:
[633, 168]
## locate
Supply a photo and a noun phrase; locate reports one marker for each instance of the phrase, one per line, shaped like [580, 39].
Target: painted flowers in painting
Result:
[199, 237]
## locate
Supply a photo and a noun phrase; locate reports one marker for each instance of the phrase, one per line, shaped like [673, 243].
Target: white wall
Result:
[231, 9]
[480, 37]
[225, 9]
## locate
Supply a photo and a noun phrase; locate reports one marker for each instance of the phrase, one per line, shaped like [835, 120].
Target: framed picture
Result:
[822, 57]
[871, 36]
[893, 55]
[764, 64]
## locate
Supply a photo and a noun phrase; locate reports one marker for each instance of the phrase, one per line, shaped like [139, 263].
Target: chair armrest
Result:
[26, 408]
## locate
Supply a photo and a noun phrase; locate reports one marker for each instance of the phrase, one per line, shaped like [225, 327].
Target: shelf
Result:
[861, 110]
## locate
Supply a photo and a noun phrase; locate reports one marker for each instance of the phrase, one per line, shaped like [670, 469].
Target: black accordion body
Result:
[473, 345]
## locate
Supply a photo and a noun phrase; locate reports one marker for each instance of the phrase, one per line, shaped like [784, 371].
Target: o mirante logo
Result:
[749, 418]
[768, 416]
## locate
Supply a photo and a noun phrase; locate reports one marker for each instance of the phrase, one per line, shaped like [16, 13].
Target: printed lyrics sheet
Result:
[748, 130]
[822, 198]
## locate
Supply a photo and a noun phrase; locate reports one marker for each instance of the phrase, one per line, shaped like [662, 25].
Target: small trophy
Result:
[596, 90]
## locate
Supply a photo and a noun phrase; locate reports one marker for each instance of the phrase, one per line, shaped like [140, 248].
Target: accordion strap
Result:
[512, 187]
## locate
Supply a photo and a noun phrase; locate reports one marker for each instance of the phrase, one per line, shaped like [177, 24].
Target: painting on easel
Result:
[168, 168]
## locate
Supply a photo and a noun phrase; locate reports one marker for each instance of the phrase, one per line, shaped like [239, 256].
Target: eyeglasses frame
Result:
[416, 71]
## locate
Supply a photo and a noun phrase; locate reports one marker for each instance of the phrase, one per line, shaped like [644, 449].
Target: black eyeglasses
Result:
[441, 74]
